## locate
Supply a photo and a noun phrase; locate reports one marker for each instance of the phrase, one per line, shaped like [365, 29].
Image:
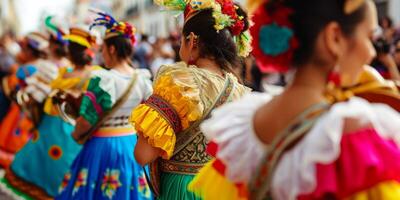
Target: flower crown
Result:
[274, 40]
[224, 13]
[114, 27]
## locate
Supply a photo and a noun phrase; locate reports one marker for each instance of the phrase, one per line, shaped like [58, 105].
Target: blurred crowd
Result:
[387, 45]
[151, 52]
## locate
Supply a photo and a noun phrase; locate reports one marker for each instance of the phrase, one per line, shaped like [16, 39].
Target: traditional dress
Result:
[17, 126]
[313, 158]
[183, 95]
[106, 168]
[39, 167]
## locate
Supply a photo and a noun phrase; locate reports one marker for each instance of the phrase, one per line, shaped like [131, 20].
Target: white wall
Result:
[394, 11]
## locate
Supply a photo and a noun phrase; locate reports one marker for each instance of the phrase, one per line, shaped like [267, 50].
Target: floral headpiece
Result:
[224, 13]
[274, 41]
[114, 27]
[57, 32]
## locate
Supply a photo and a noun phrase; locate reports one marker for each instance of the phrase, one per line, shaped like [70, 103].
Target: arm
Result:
[82, 126]
[144, 152]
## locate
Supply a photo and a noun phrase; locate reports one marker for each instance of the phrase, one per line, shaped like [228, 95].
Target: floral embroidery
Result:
[110, 183]
[55, 152]
[144, 187]
[64, 182]
[80, 180]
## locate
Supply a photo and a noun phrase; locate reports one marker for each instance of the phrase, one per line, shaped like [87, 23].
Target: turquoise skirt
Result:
[47, 156]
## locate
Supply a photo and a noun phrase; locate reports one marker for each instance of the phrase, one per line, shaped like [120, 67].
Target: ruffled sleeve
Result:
[99, 97]
[173, 106]
[353, 165]
[231, 133]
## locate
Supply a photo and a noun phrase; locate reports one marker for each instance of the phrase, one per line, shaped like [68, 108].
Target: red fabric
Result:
[219, 166]
[365, 160]
[267, 63]
[212, 148]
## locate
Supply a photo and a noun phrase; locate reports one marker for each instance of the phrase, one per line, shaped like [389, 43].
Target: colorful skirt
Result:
[45, 159]
[106, 169]
[15, 132]
[174, 186]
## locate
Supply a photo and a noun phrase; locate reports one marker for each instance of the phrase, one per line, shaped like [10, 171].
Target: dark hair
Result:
[36, 53]
[388, 19]
[78, 55]
[123, 46]
[212, 44]
[61, 50]
[310, 17]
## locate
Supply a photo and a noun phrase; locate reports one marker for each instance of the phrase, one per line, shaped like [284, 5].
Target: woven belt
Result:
[180, 167]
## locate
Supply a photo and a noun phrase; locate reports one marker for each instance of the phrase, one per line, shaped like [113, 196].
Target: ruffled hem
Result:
[203, 185]
[299, 169]
[378, 160]
[231, 131]
[154, 128]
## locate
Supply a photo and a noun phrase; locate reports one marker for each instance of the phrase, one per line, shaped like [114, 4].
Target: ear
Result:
[192, 41]
[111, 49]
[334, 39]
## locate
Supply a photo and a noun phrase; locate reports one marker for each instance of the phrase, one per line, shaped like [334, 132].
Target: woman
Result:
[57, 44]
[38, 168]
[105, 168]
[301, 144]
[185, 93]
[15, 128]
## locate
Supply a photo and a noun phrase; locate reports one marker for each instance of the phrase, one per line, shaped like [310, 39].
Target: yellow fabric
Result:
[78, 39]
[155, 128]
[190, 91]
[62, 83]
[369, 81]
[389, 190]
[205, 182]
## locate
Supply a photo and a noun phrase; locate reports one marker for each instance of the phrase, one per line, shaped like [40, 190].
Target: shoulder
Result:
[343, 127]
[231, 129]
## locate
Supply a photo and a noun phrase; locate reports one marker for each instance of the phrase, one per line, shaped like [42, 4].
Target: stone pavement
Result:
[4, 196]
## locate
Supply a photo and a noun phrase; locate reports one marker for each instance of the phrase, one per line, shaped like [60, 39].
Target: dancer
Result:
[16, 126]
[105, 168]
[38, 168]
[186, 92]
[304, 144]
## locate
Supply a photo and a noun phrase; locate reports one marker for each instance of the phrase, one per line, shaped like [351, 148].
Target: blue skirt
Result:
[106, 169]
[45, 159]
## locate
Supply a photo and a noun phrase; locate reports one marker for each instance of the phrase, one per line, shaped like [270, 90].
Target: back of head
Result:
[122, 45]
[215, 44]
[80, 42]
[286, 31]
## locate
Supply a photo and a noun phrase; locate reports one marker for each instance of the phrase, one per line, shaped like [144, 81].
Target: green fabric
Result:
[103, 99]
[5, 183]
[174, 186]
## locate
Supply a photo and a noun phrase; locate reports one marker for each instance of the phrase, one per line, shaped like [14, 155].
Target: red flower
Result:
[280, 16]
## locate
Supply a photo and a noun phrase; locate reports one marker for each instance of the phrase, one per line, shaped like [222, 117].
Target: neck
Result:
[311, 79]
[209, 65]
[80, 67]
[122, 66]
